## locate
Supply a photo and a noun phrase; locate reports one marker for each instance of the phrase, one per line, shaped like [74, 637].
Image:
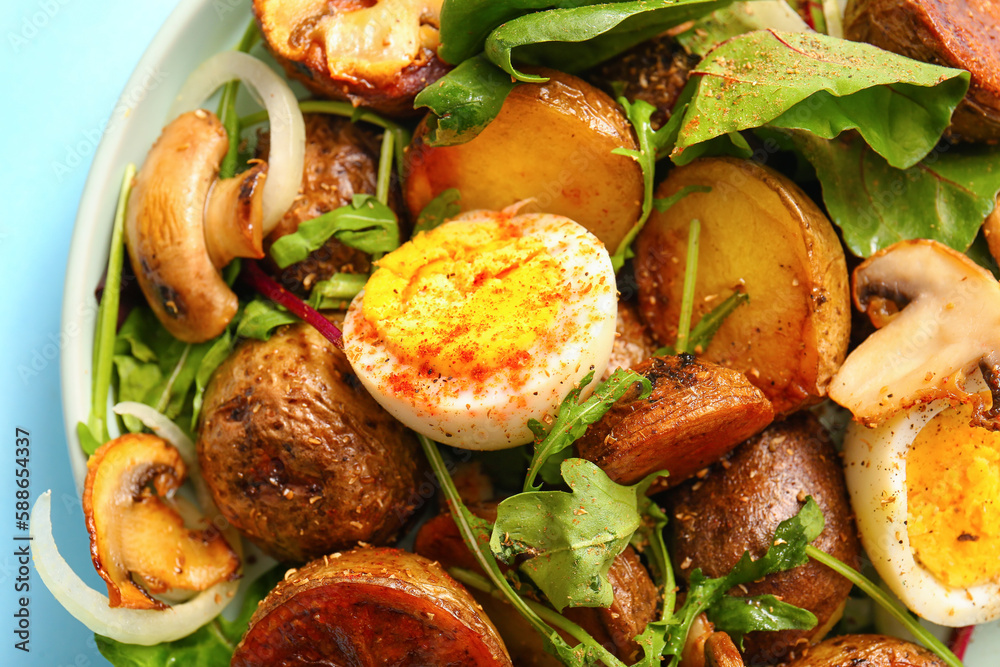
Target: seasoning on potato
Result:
[761, 233]
[298, 456]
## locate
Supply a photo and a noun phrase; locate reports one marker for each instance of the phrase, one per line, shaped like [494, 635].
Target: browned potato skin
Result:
[341, 160]
[953, 33]
[308, 63]
[737, 508]
[370, 607]
[551, 142]
[633, 342]
[761, 233]
[867, 650]
[635, 596]
[991, 230]
[298, 456]
[697, 412]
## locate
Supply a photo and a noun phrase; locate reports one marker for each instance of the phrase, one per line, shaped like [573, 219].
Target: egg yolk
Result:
[953, 499]
[464, 299]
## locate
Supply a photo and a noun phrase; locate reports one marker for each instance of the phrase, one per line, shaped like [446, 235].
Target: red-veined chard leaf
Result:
[822, 85]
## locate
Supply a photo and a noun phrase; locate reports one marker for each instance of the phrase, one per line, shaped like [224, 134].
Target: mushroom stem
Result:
[233, 217]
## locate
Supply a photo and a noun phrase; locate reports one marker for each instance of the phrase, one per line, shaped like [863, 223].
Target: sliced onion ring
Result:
[131, 626]
[287, 152]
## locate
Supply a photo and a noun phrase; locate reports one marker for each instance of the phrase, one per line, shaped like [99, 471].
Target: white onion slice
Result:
[131, 626]
[287, 153]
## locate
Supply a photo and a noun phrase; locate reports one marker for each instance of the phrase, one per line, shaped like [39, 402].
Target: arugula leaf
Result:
[476, 535]
[464, 101]
[575, 416]
[825, 86]
[154, 368]
[260, 319]
[737, 616]
[571, 538]
[945, 197]
[788, 550]
[366, 224]
[439, 209]
[338, 288]
[584, 24]
[703, 332]
[212, 644]
[227, 106]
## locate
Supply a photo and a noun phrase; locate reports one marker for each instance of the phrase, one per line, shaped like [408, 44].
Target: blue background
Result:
[63, 64]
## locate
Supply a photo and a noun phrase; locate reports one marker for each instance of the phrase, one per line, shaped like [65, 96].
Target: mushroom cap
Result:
[165, 233]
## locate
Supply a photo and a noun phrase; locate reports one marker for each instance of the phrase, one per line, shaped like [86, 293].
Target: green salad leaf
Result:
[823, 85]
[736, 616]
[212, 644]
[336, 290]
[607, 29]
[154, 368]
[570, 538]
[944, 197]
[464, 101]
[261, 317]
[574, 416]
[443, 207]
[366, 224]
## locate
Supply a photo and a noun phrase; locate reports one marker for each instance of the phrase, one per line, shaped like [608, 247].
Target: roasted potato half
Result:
[374, 53]
[868, 650]
[737, 508]
[297, 455]
[954, 33]
[762, 234]
[551, 143]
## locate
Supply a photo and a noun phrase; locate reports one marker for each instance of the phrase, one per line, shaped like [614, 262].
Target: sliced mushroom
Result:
[182, 225]
[939, 318]
[697, 412]
[136, 535]
[373, 53]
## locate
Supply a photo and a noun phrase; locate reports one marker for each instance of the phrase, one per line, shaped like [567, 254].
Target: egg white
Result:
[493, 413]
[875, 469]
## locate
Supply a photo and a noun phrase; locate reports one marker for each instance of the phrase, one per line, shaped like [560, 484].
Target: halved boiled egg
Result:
[471, 329]
[925, 486]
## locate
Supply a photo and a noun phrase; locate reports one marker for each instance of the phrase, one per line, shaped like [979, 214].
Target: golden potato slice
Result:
[761, 232]
[551, 142]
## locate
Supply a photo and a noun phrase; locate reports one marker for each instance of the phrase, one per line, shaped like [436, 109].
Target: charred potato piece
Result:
[697, 412]
[868, 650]
[635, 597]
[954, 33]
[298, 456]
[341, 161]
[761, 233]
[654, 71]
[373, 53]
[551, 143]
[370, 607]
[737, 508]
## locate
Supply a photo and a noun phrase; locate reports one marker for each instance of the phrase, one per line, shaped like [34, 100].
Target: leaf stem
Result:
[484, 557]
[687, 296]
[227, 107]
[385, 168]
[107, 317]
[895, 609]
